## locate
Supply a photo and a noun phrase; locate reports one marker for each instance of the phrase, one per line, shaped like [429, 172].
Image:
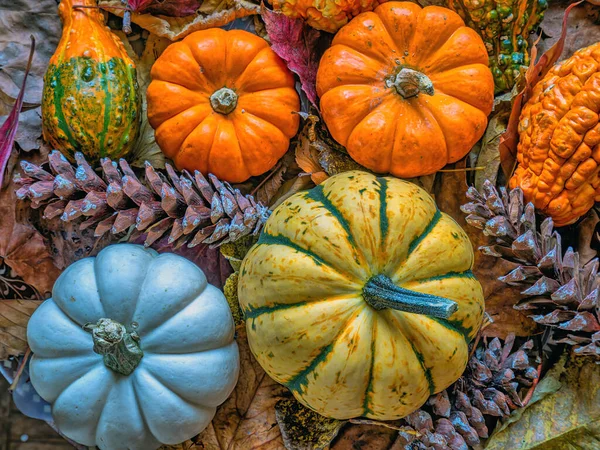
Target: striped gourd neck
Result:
[381, 293]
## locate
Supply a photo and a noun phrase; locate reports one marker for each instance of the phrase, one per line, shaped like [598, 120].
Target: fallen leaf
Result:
[175, 28]
[450, 193]
[247, 418]
[307, 157]
[176, 8]
[19, 19]
[489, 155]
[566, 419]
[13, 286]
[296, 43]
[290, 188]
[534, 73]
[302, 428]
[8, 130]
[588, 237]
[21, 246]
[14, 315]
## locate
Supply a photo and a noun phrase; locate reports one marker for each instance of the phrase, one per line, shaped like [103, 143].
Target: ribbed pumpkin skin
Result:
[559, 148]
[385, 131]
[326, 15]
[247, 141]
[301, 290]
[90, 101]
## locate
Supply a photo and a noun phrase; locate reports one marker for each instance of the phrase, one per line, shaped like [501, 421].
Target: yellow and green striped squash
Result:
[359, 297]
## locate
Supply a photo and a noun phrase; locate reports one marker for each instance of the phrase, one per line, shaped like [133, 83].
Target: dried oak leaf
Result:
[22, 247]
[247, 418]
[307, 157]
[295, 42]
[566, 419]
[450, 193]
[14, 315]
[534, 73]
[175, 28]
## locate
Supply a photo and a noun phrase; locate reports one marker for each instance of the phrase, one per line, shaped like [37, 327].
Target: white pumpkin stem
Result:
[380, 292]
[223, 100]
[410, 83]
[120, 349]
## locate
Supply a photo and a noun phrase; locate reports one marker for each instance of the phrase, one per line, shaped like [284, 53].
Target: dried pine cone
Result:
[455, 419]
[191, 209]
[559, 291]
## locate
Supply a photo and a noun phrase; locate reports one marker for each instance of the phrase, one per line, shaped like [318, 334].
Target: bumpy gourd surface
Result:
[308, 325]
[326, 15]
[559, 147]
[385, 132]
[190, 363]
[245, 142]
[504, 26]
[90, 101]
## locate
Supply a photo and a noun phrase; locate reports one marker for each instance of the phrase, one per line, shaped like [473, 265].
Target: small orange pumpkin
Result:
[223, 102]
[406, 89]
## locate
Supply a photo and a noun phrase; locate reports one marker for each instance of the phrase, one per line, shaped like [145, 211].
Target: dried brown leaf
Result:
[307, 157]
[588, 237]
[489, 155]
[14, 315]
[175, 28]
[21, 246]
[247, 418]
[20, 20]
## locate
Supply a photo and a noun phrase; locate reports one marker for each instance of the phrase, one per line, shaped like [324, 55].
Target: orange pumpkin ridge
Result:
[406, 89]
[558, 154]
[223, 102]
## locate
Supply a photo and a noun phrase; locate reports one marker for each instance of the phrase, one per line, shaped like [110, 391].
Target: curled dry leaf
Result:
[588, 237]
[534, 73]
[566, 419]
[365, 437]
[14, 315]
[176, 8]
[296, 43]
[247, 418]
[307, 157]
[21, 246]
[268, 189]
[175, 28]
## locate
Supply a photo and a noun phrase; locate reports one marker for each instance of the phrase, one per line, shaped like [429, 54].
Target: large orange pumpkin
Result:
[406, 89]
[223, 102]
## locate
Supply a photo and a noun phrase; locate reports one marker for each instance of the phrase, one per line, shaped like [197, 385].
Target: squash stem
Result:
[224, 100]
[380, 293]
[120, 349]
[410, 83]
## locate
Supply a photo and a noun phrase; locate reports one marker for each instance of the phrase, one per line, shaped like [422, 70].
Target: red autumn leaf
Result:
[174, 8]
[535, 72]
[295, 43]
[9, 128]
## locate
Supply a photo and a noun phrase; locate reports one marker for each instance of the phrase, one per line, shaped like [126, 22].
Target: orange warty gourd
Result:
[406, 89]
[558, 154]
[90, 101]
[326, 15]
[223, 102]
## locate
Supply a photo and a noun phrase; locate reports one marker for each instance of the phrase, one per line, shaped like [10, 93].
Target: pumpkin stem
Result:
[224, 100]
[380, 293]
[121, 350]
[410, 83]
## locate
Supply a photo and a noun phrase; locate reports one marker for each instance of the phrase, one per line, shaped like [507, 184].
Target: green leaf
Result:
[568, 419]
